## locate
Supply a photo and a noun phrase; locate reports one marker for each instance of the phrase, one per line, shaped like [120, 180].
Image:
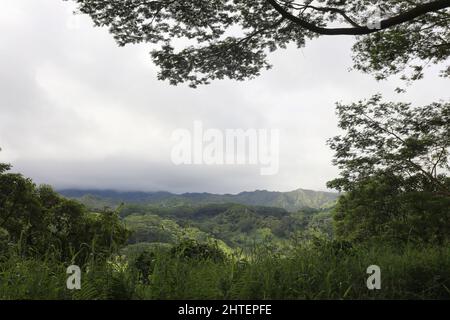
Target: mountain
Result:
[290, 201]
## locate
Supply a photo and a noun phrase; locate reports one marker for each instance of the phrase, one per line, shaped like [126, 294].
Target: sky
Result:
[78, 111]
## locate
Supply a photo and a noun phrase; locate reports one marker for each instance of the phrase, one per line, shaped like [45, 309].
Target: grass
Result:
[306, 272]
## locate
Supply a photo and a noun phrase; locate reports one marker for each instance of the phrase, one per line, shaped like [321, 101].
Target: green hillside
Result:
[291, 201]
[236, 221]
[235, 225]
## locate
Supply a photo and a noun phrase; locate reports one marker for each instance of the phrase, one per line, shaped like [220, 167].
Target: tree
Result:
[410, 143]
[394, 163]
[379, 208]
[192, 249]
[198, 41]
[39, 219]
[20, 212]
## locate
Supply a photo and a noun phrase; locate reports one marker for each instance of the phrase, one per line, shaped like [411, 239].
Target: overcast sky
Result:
[77, 111]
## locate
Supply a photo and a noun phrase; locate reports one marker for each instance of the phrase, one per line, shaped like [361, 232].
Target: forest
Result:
[390, 200]
[395, 213]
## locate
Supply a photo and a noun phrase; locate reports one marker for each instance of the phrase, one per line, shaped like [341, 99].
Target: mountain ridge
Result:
[291, 201]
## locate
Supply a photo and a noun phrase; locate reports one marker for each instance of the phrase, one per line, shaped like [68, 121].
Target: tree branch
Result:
[412, 163]
[418, 11]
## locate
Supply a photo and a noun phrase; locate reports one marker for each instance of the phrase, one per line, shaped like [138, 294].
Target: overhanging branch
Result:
[418, 11]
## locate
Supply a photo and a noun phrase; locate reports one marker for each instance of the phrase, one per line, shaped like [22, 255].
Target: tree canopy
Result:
[198, 41]
[40, 220]
[412, 143]
[394, 164]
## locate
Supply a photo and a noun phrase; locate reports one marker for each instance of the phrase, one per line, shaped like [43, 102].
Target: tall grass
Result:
[305, 272]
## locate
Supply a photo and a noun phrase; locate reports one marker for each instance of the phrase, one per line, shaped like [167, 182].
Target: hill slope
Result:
[291, 201]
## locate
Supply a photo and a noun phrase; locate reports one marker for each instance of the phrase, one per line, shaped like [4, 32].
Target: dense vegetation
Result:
[394, 213]
[316, 269]
[394, 161]
[36, 221]
[235, 226]
[217, 251]
[393, 158]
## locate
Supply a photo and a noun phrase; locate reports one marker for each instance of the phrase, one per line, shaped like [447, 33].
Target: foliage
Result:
[411, 143]
[409, 32]
[38, 218]
[379, 208]
[315, 270]
[144, 265]
[232, 225]
[152, 228]
[191, 249]
[394, 162]
[311, 267]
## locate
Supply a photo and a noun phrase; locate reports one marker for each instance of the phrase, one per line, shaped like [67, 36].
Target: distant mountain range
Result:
[290, 201]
